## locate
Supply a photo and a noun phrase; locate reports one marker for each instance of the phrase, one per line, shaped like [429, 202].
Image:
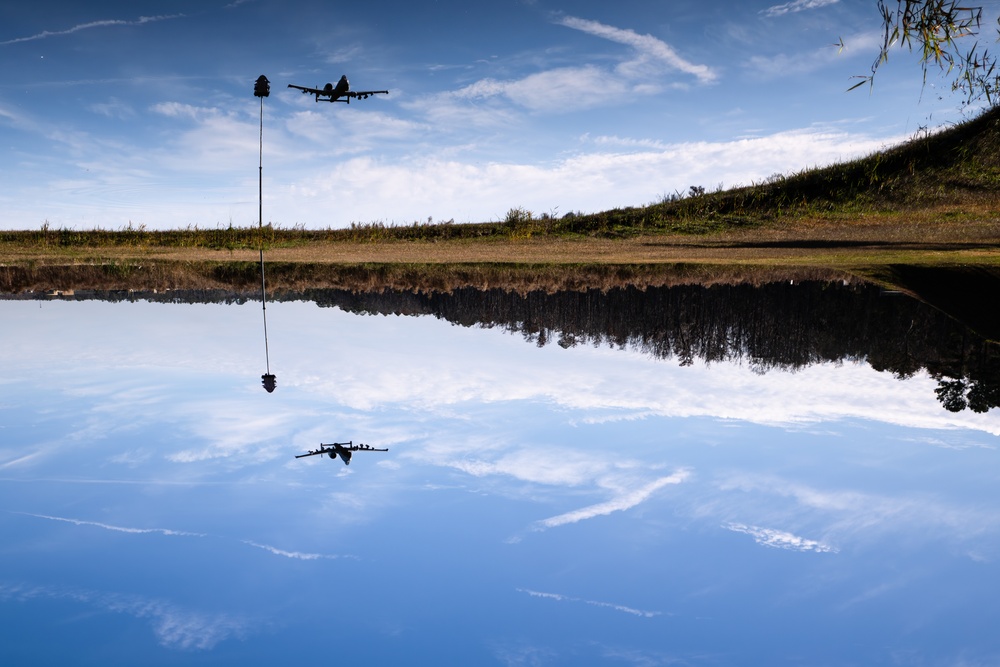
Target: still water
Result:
[788, 475]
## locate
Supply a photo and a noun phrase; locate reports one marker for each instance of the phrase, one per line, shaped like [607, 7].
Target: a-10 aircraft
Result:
[340, 93]
[343, 449]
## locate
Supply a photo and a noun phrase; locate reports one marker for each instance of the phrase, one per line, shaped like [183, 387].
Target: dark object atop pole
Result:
[262, 88]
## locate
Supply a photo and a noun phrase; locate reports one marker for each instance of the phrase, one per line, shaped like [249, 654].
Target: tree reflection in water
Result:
[783, 326]
[777, 325]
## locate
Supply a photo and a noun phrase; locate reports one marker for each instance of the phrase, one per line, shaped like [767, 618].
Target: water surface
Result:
[772, 476]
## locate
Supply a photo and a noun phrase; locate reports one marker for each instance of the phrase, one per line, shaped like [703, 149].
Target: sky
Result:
[537, 506]
[117, 113]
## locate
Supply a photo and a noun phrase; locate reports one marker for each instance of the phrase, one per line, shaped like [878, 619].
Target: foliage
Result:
[938, 29]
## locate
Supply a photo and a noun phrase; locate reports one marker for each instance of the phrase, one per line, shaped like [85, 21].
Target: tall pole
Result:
[260, 227]
[262, 89]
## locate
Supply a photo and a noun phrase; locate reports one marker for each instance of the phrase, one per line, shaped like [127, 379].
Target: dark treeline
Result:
[774, 326]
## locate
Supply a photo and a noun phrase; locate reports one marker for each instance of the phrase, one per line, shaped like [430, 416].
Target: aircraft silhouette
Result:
[344, 449]
[340, 93]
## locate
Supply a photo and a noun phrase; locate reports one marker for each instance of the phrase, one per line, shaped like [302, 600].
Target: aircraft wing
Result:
[313, 453]
[342, 448]
[304, 89]
[364, 94]
[326, 448]
[357, 448]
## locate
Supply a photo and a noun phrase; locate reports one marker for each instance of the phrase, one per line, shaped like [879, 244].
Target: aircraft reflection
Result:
[343, 449]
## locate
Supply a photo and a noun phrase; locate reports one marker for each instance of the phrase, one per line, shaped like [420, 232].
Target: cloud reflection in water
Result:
[623, 478]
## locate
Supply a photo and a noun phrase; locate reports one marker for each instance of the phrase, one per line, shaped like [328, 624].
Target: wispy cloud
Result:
[648, 47]
[231, 432]
[179, 110]
[851, 514]
[174, 627]
[580, 86]
[92, 24]
[796, 6]
[299, 555]
[780, 539]
[120, 529]
[114, 108]
[623, 502]
[19, 460]
[595, 603]
[553, 90]
[784, 65]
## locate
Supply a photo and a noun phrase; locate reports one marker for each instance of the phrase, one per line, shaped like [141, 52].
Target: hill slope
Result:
[953, 171]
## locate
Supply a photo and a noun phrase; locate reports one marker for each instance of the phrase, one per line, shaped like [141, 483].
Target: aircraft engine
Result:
[333, 455]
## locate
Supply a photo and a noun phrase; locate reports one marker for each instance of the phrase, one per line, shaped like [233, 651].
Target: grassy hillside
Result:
[952, 173]
[947, 175]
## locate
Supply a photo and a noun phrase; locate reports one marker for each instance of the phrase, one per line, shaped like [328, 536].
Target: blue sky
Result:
[114, 113]
[540, 506]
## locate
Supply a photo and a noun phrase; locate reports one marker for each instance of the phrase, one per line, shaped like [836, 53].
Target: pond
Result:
[783, 474]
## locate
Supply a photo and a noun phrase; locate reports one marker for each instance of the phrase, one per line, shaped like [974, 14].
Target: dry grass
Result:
[942, 234]
[811, 248]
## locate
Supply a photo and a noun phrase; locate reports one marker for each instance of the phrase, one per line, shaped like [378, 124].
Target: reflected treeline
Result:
[774, 326]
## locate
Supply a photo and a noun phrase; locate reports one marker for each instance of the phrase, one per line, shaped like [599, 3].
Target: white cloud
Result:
[796, 6]
[648, 47]
[179, 110]
[344, 133]
[21, 459]
[229, 430]
[595, 603]
[345, 54]
[298, 555]
[780, 539]
[785, 65]
[113, 108]
[90, 25]
[852, 514]
[624, 501]
[120, 529]
[173, 626]
[557, 90]
[553, 466]
[575, 88]
[484, 88]
[363, 189]
[567, 88]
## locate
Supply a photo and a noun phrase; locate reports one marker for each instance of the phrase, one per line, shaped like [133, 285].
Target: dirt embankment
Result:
[297, 276]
